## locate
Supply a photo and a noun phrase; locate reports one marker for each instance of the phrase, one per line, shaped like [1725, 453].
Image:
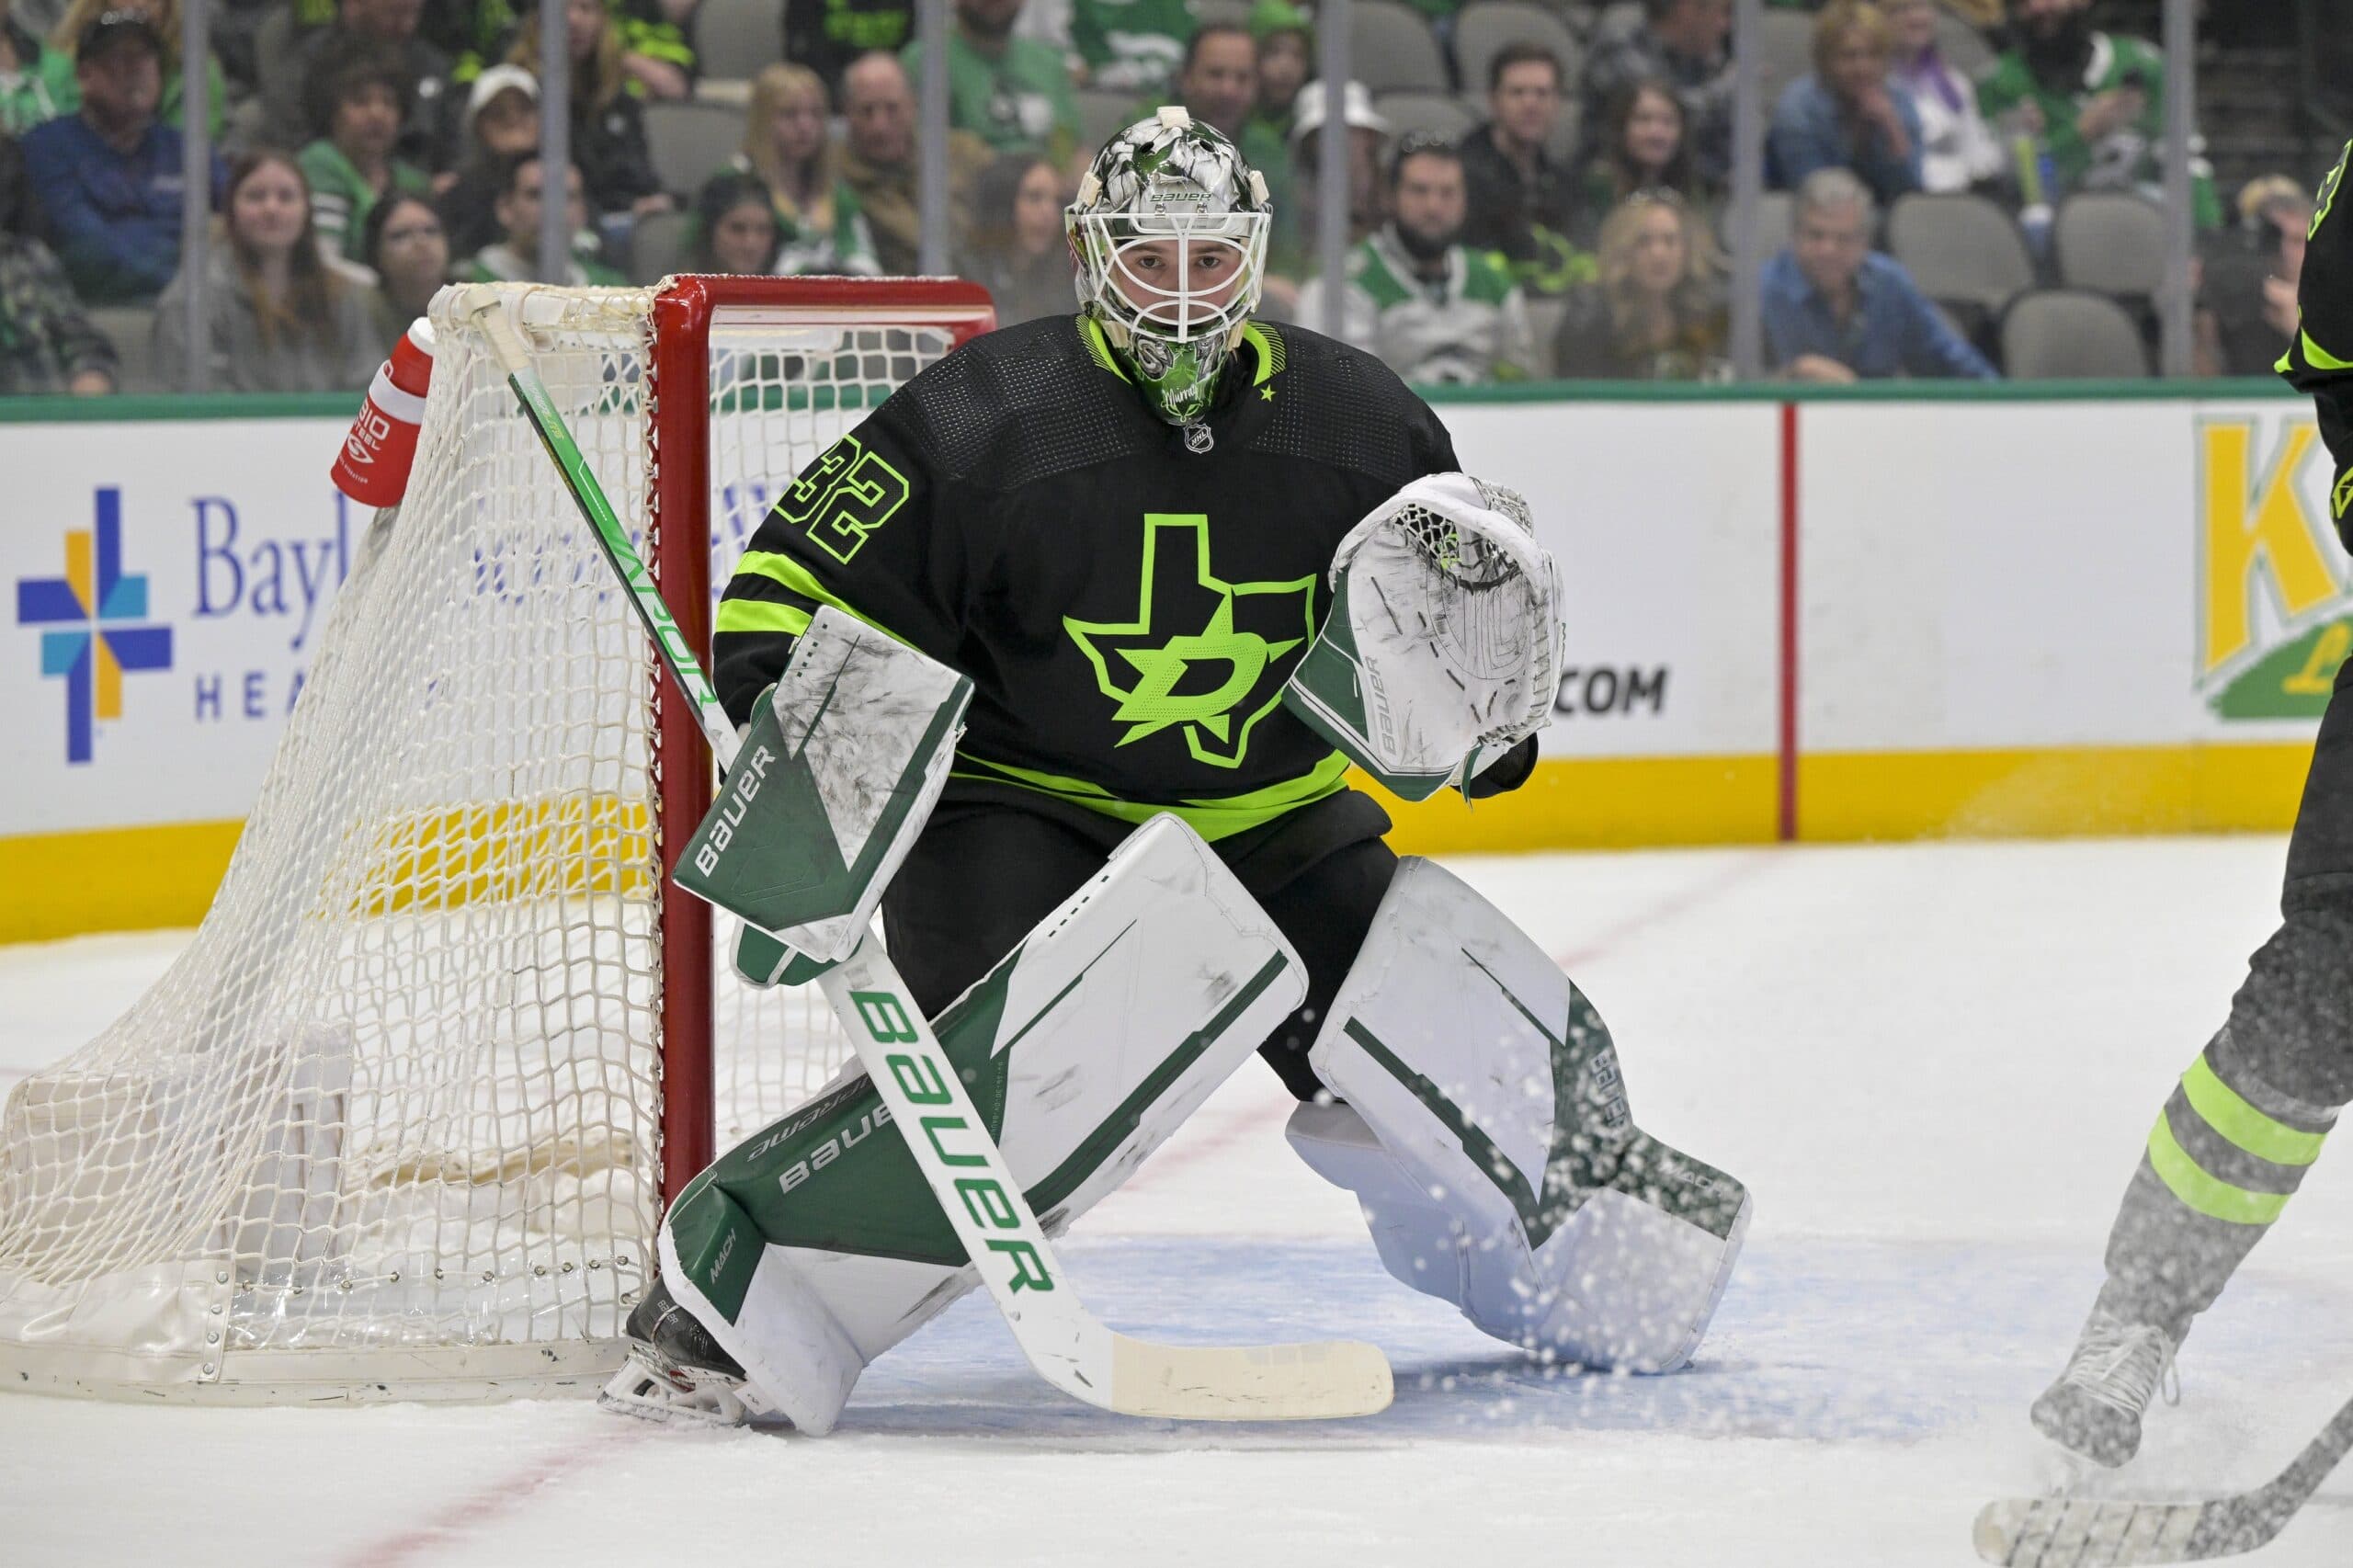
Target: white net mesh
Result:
[402, 1093]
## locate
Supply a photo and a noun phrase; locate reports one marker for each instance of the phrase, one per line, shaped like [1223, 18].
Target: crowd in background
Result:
[1558, 211]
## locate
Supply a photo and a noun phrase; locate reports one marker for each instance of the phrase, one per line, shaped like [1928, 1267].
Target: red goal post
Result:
[678, 435]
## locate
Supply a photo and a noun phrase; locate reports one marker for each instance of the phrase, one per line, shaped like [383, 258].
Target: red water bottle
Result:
[372, 468]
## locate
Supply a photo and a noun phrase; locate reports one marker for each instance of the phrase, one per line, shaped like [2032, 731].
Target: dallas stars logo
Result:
[1207, 680]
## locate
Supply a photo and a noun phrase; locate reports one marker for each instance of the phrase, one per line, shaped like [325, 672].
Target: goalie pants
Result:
[994, 861]
[2246, 1121]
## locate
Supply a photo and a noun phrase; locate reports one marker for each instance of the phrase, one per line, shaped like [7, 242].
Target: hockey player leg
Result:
[1487, 1135]
[816, 1246]
[2233, 1143]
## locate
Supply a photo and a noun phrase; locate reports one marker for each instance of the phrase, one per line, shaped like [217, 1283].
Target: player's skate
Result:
[676, 1371]
[2094, 1408]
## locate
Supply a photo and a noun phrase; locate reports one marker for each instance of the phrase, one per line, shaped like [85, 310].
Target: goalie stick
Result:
[2062, 1532]
[1068, 1346]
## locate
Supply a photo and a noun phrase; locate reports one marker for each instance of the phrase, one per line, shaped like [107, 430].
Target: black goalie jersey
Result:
[1128, 609]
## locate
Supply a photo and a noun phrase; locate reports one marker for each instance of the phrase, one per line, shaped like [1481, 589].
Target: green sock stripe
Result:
[2206, 1195]
[2227, 1112]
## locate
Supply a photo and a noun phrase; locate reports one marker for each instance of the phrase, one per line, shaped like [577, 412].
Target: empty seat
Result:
[132, 330]
[1961, 250]
[689, 140]
[658, 246]
[1438, 114]
[1784, 51]
[1543, 326]
[1102, 113]
[1964, 48]
[1775, 220]
[1393, 48]
[2111, 241]
[734, 37]
[1485, 27]
[2056, 333]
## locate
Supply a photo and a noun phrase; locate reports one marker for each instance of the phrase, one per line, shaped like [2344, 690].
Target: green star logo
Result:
[1206, 680]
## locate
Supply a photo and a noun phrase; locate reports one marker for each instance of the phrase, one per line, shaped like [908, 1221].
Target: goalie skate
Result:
[675, 1371]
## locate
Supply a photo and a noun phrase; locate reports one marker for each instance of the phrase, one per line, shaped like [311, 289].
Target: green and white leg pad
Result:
[814, 1246]
[1487, 1135]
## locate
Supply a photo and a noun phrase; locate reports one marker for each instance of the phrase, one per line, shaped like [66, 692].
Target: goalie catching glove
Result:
[1444, 643]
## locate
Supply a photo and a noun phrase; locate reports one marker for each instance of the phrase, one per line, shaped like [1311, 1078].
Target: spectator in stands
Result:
[1644, 149]
[607, 125]
[36, 81]
[516, 255]
[501, 120]
[1520, 197]
[164, 16]
[880, 162]
[1286, 57]
[2247, 306]
[1657, 311]
[1835, 310]
[108, 179]
[828, 35]
[351, 167]
[294, 102]
[1217, 84]
[1012, 93]
[1433, 309]
[1019, 251]
[655, 56]
[788, 148]
[2092, 103]
[736, 227]
[404, 244]
[47, 344]
[278, 317]
[1129, 45]
[1849, 113]
[1957, 147]
[1686, 42]
[1294, 240]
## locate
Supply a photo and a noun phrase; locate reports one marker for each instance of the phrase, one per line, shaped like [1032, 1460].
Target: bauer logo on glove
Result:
[1443, 644]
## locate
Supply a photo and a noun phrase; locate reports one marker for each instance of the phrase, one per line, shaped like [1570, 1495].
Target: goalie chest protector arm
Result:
[861, 529]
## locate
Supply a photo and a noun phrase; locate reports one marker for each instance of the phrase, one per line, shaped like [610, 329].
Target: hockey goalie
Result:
[1125, 594]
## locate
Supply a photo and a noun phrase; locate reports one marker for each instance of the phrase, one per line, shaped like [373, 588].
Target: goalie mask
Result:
[1170, 234]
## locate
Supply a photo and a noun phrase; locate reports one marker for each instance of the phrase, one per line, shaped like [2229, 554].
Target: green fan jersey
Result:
[1132, 45]
[2320, 361]
[1127, 606]
[1019, 101]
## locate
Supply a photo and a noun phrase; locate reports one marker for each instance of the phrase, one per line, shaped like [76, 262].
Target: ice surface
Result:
[1933, 1064]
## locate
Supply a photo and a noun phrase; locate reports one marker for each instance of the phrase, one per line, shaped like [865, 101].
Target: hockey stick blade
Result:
[2062, 1532]
[961, 1164]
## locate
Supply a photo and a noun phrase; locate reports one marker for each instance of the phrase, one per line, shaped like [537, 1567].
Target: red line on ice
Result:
[486, 1505]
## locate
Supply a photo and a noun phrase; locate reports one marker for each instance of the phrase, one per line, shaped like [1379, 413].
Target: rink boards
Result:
[2107, 609]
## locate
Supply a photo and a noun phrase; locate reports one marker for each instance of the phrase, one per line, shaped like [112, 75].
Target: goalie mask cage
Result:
[400, 1120]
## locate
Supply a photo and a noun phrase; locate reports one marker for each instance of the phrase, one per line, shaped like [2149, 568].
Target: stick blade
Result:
[1320, 1381]
[2063, 1532]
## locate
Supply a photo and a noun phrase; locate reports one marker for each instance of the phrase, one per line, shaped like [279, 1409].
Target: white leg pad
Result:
[815, 1245]
[1488, 1139]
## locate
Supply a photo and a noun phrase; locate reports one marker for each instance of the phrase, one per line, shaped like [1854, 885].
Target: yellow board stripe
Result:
[2228, 1113]
[2210, 1196]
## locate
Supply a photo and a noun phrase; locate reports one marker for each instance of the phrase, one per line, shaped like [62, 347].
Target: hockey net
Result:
[401, 1118]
